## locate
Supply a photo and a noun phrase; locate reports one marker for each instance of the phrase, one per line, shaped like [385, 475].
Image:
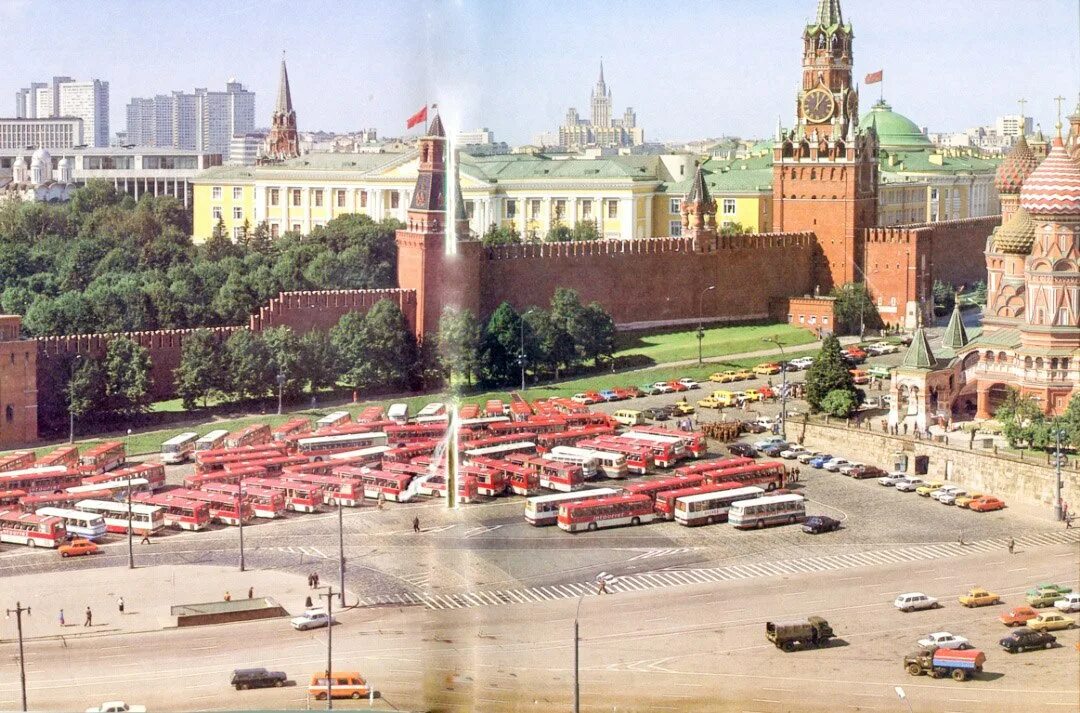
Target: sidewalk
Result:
[148, 594]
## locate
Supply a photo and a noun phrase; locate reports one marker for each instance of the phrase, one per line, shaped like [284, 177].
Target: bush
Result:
[839, 403]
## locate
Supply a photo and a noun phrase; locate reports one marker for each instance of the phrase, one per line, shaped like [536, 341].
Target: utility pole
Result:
[329, 595]
[341, 542]
[783, 385]
[131, 531]
[240, 517]
[18, 612]
[701, 322]
[280, 390]
[1058, 514]
[577, 670]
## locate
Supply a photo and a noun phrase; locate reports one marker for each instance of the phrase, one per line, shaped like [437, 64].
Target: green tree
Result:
[570, 325]
[585, 230]
[944, 297]
[245, 234]
[598, 341]
[285, 350]
[218, 246]
[97, 193]
[1022, 421]
[86, 387]
[1070, 422]
[500, 235]
[348, 339]
[542, 339]
[249, 364]
[319, 360]
[127, 376]
[202, 370]
[853, 309]
[377, 350]
[734, 228]
[502, 340]
[260, 238]
[459, 343]
[828, 373]
[839, 403]
[559, 233]
[372, 248]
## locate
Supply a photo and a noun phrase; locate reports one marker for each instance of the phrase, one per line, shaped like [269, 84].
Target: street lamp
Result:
[71, 399]
[902, 696]
[130, 528]
[701, 322]
[240, 517]
[783, 385]
[280, 390]
[329, 594]
[18, 612]
[601, 579]
[522, 359]
[341, 540]
[1058, 511]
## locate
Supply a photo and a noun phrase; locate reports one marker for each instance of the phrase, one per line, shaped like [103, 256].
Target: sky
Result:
[690, 69]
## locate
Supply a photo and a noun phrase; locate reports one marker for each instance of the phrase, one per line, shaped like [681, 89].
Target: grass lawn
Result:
[669, 346]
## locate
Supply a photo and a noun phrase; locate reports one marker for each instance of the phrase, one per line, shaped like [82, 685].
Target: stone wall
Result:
[958, 249]
[307, 311]
[1029, 481]
[18, 387]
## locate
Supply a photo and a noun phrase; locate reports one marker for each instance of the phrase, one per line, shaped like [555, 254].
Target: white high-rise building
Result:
[1011, 126]
[88, 101]
[202, 121]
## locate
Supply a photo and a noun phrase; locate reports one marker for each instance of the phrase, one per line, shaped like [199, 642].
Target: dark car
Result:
[244, 678]
[817, 524]
[752, 427]
[1025, 639]
[656, 414]
[867, 471]
[743, 450]
[775, 449]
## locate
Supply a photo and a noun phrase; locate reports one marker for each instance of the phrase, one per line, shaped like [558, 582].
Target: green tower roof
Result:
[955, 336]
[919, 355]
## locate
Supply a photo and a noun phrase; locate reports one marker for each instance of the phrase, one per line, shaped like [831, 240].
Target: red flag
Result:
[417, 118]
[875, 77]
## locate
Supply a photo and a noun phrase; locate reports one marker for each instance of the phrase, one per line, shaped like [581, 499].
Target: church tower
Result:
[283, 142]
[601, 102]
[825, 170]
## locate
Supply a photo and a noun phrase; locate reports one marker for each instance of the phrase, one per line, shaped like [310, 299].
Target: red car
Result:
[854, 354]
[677, 386]
[626, 392]
[766, 392]
[1018, 616]
[986, 503]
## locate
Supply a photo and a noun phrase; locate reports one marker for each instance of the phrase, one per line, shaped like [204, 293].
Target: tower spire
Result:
[601, 70]
[829, 13]
[284, 96]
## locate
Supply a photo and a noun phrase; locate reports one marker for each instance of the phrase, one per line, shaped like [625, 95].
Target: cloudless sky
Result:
[690, 69]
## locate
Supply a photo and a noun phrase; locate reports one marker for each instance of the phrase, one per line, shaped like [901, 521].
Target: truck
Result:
[938, 663]
[812, 631]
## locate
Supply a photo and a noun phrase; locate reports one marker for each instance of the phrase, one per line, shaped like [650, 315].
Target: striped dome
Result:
[1054, 187]
[1015, 169]
[1016, 236]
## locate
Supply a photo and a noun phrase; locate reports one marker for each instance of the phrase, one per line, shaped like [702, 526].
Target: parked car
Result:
[767, 369]
[910, 485]
[1041, 586]
[628, 392]
[979, 597]
[584, 398]
[817, 524]
[861, 472]
[742, 450]
[1051, 621]
[753, 427]
[1018, 616]
[986, 503]
[945, 640]
[945, 490]
[792, 452]
[752, 395]
[1069, 602]
[609, 395]
[807, 456]
[656, 414]
[680, 408]
[788, 367]
[767, 392]
[1026, 639]
[723, 377]
[689, 383]
[710, 402]
[245, 678]
[802, 362]
[854, 354]
[648, 390]
[858, 376]
[768, 441]
[846, 468]
[949, 497]
[1040, 598]
[116, 707]
[678, 386]
[926, 488]
[663, 387]
[775, 449]
[77, 548]
[911, 601]
[820, 460]
[836, 464]
[962, 501]
[892, 479]
[311, 619]
[743, 375]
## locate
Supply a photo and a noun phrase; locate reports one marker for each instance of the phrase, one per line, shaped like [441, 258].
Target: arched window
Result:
[9, 413]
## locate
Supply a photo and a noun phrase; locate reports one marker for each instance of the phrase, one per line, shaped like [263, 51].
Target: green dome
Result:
[894, 130]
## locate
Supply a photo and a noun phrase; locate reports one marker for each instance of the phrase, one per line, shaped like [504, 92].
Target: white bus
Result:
[374, 453]
[544, 509]
[575, 456]
[482, 422]
[436, 409]
[613, 465]
[330, 420]
[398, 413]
[78, 523]
[118, 488]
[211, 441]
[145, 519]
[318, 446]
[500, 450]
[769, 510]
[179, 448]
[707, 508]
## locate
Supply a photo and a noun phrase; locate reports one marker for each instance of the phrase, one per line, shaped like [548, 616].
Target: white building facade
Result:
[59, 133]
[203, 121]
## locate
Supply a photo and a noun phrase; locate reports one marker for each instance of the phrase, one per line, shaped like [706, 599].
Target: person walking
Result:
[1012, 546]
[251, 592]
[310, 581]
[89, 618]
[307, 602]
[145, 538]
[601, 587]
[416, 525]
[120, 604]
[316, 576]
[62, 618]
[228, 597]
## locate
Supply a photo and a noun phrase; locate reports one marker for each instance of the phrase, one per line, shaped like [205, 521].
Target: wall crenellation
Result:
[646, 246]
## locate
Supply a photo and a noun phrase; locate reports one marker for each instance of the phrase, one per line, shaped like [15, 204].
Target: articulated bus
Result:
[769, 475]
[64, 499]
[654, 487]
[210, 461]
[347, 491]
[264, 502]
[666, 450]
[612, 511]
[254, 435]
[638, 458]
[290, 428]
[67, 456]
[693, 441]
[299, 496]
[178, 512]
[416, 431]
[211, 441]
[768, 510]
[335, 418]
[145, 519]
[16, 461]
[707, 466]
[709, 507]
[102, 458]
[610, 463]
[318, 447]
[500, 450]
[24, 528]
[40, 480]
[544, 509]
[179, 448]
[665, 500]
[77, 523]
[152, 473]
[223, 508]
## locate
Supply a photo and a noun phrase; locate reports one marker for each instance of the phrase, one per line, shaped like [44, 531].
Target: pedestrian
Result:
[601, 587]
[961, 539]
[380, 502]
[905, 428]
[89, 618]
[416, 524]
[251, 592]
[1068, 522]
[120, 604]
[310, 580]
[316, 580]
[314, 401]
[62, 617]
[1012, 546]
[228, 597]
[307, 602]
[145, 538]
[1064, 510]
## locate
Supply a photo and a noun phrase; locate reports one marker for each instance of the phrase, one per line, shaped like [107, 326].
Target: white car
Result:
[689, 383]
[910, 601]
[949, 498]
[793, 452]
[663, 387]
[766, 442]
[806, 456]
[848, 467]
[836, 464]
[882, 348]
[892, 479]
[581, 399]
[908, 485]
[1068, 602]
[802, 362]
[116, 707]
[311, 619]
[944, 640]
[944, 490]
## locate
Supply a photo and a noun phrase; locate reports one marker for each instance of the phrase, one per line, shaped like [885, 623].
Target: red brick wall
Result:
[898, 269]
[813, 313]
[654, 281]
[436, 279]
[959, 247]
[18, 386]
[307, 311]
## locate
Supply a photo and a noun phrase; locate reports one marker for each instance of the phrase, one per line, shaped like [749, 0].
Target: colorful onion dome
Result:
[1054, 187]
[1015, 169]
[1017, 236]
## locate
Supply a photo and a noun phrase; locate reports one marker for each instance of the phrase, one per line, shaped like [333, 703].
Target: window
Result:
[675, 205]
[395, 198]
[217, 213]
[560, 209]
[296, 196]
[215, 193]
[729, 206]
[511, 209]
[237, 234]
[534, 208]
[275, 196]
[612, 209]
[9, 413]
[363, 199]
[238, 213]
[586, 209]
[237, 193]
[469, 209]
[675, 228]
[296, 227]
[318, 197]
[340, 199]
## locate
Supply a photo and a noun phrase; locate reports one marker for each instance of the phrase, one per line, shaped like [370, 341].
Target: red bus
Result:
[665, 500]
[264, 502]
[435, 486]
[612, 511]
[405, 454]
[522, 480]
[658, 485]
[299, 497]
[393, 486]
[494, 407]
[371, 413]
[560, 476]
[666, 450]
[10, 498]
[210, 454]
[40, 480]
[519, 408]
[769, 475]
[570, 437]
[416, 431]
[360, 456]
[693, 441]
[488, 441]
[253, 435]
[23, 528]
[489, 481]
[230, 476]
[16, 461]
[638, 458]
[181, 513]
[290, 428]
[210, 463]
[67, 456]
[413, 469]
[317, 447]
[468, 411]
[152, 473]
[274, 465]
[102, 458]
[223, 508]
[707, 466]
[63, 499]
[348, 491]
[586, 418]
[538, 424]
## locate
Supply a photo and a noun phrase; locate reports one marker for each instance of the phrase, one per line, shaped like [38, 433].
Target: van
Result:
[724, 398]
[342, 684]
[398, 413]
[629, 417]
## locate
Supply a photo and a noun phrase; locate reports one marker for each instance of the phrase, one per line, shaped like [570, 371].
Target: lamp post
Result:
[240, 517]
[130, 528]
[783, 385]
[280, 390]
[329, 594]
[577, 671]
[18, 612]
[71, 399]
[701, 322]
[902, 696]
[341, 541]
[1058, 513]
[522, 359]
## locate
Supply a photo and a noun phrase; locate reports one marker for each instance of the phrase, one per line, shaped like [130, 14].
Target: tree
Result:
[260, 238]
[202, 368]
[1069, 422]
[245, 234]
[734, 228]
[372, 248]
[127, 376]
[319, 361]
[251, 373]
[1022, 421]
[501, 345]
[285, 352]
[839, 403]
[348, 340]
[390, 349]
[500, 235]
[599, 339]
[86, 387]
[219, 246]
[585, 230]
[559, 233]
[570, 325]
[944, 297]
[853, 309]
[541, 337]
[828, 373]
[459, 343]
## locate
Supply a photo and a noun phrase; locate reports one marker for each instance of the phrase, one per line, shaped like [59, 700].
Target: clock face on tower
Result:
[818, 105]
